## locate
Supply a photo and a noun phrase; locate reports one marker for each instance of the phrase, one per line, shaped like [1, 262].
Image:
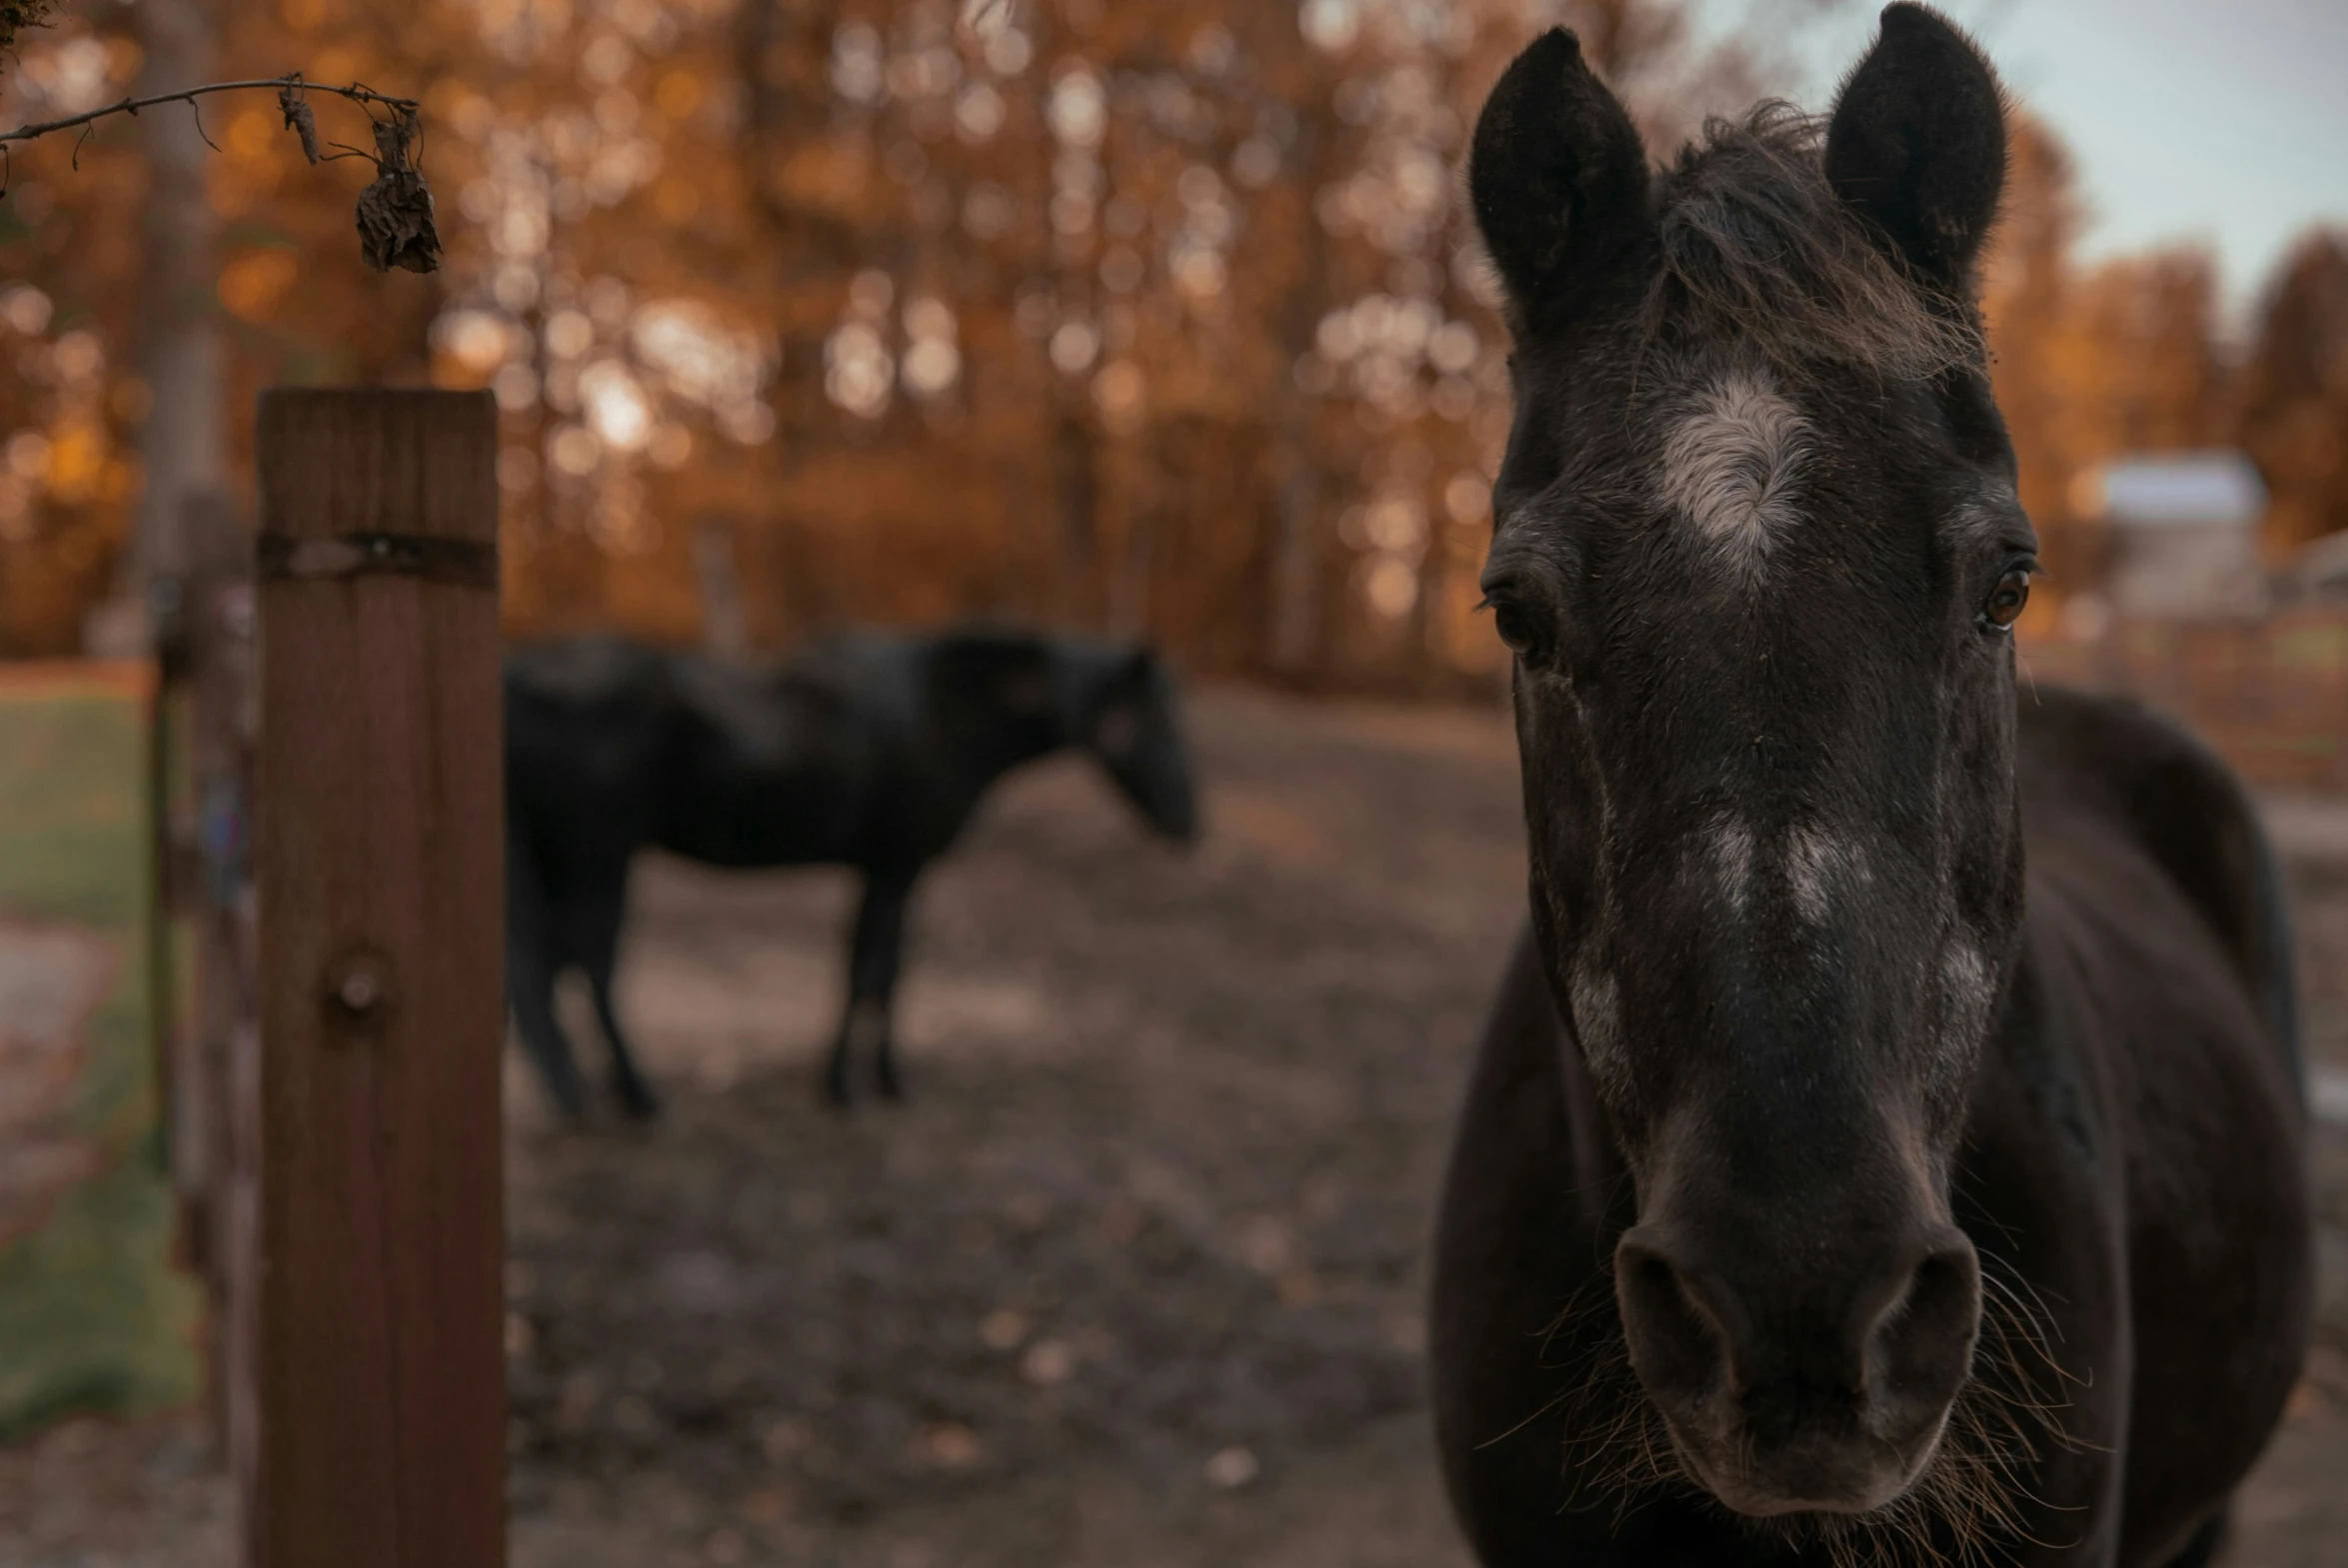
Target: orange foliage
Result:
[2295, 392]
[2091, 362]
[1146, 315]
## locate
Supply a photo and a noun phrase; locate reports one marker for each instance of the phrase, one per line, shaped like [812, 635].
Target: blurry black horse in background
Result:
[868, 750]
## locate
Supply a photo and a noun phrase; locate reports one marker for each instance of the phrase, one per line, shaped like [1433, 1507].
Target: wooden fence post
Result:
[203, 706]
[380, 871]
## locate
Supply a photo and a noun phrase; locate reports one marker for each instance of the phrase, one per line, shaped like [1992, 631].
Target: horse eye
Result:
[1515, 627]
[2006, 600]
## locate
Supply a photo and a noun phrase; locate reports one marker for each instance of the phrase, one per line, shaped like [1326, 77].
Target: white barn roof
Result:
[2185, 489]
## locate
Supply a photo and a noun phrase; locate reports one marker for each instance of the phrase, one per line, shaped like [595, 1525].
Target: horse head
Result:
[1758, 552]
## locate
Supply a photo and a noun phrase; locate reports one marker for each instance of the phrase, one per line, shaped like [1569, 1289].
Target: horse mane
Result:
[1756, 244]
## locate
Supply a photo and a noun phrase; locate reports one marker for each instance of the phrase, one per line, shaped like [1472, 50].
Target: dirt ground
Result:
[1135, 1281]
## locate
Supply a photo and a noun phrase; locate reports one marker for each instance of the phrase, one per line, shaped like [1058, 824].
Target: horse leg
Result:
[873, 956]
[633, 1091]
[837, 1092]
[529, 991]
[885, 1058]
[886, 964]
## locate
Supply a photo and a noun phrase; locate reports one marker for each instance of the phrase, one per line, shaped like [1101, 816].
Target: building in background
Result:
[2316, 574]
[1158, 317]
[2184, 532]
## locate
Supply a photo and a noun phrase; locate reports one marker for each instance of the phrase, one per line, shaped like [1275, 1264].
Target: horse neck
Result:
[998, 742]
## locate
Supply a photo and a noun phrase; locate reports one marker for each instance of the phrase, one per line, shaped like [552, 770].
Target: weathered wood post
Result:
[204, 652]
[380, 871]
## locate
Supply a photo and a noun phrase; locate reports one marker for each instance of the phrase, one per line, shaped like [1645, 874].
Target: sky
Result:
[2223, 122]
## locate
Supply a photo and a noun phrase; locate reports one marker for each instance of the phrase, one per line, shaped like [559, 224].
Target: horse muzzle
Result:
[1803, 1383]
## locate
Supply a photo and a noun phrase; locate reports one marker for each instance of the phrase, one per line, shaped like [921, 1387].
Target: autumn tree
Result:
[69, 405]
[2092, 362]
[1157, 316]
[1154, 316]
[2294, 403]
[107, 232]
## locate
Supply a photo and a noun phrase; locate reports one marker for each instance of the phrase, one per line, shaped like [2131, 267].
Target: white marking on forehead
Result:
[1730, 464]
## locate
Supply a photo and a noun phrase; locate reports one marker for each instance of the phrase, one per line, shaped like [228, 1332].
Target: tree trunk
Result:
[1294, 640]
[1077, 482]
[182, 445]
[724, 628]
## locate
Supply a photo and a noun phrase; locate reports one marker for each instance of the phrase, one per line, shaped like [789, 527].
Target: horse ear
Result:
[1556, 172]
[1917, 144]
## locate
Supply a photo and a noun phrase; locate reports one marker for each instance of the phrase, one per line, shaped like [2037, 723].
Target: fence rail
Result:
[2270, 694]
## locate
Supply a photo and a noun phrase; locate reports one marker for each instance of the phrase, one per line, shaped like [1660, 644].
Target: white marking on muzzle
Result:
[1729, 466]
[1965, 989]
[1815, 862]
[1596, 1001]
[1733, 860]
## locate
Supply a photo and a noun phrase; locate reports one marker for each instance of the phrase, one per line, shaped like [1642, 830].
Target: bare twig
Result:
[395, 213]
[130, 106]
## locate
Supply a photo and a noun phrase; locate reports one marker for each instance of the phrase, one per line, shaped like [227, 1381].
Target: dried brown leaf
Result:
[17, 15]
[298, 119]
[395, 222]
[395, 213]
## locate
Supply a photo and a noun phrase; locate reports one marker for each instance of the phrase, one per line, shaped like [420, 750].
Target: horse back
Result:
[765, 766]
[583, 734]
[2157, 928]
[2108, 765]
[853, 752]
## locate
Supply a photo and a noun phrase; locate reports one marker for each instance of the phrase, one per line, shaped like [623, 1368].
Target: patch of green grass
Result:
[72, 839]
[92, 1315]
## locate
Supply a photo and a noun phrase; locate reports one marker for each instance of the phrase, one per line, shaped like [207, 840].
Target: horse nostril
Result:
[1676, 1345]
[1923, 1341]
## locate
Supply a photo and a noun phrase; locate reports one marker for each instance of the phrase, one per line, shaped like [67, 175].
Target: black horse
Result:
[868, 750]
[1887, 1145]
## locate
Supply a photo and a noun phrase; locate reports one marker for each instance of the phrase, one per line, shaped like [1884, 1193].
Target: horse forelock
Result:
[1757, 247]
